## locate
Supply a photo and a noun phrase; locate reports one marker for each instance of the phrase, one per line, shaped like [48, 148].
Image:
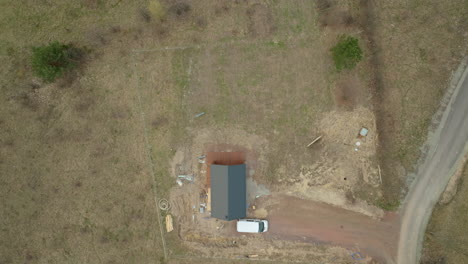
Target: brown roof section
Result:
[222, 158]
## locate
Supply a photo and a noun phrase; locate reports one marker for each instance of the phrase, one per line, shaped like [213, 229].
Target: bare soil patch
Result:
[293, 218]
[215, 238]
[348, 92]
[346, 163]
[334, 14]
[180, 9]
[261, 23]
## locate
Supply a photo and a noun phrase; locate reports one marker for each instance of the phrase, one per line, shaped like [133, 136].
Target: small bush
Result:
[157, 10]
[52, 61]
[180, 9]
[347, 53]
[388, 205]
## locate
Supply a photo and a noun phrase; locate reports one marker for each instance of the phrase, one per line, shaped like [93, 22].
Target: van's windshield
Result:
[261, 227]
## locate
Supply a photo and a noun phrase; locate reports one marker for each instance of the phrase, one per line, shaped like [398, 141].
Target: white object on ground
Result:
[252, 226]
[363, 132]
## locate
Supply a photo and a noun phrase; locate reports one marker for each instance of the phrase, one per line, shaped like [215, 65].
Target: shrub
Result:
[347, 53]
[157, 11]
[52, 61]
[180, 9]
[388, 205]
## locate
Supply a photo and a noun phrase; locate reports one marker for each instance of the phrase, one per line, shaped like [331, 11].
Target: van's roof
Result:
[248, 226]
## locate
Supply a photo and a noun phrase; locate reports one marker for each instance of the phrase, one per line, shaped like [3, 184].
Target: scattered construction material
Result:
[164, 204]
[201, 159]
[357, 256]
[314, 141]
[363, 132]
[179, 182]
[208, 200]
[169, 225]
[199, 114]
[186, 177]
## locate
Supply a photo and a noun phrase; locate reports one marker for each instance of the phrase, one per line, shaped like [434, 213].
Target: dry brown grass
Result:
[76, 182]
[79, 190]
[414, 46]
[446, 235]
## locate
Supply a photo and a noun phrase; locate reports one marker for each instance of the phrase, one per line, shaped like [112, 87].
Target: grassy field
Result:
[413, 60]
[75, 184]
[446, 235]
[84, 160]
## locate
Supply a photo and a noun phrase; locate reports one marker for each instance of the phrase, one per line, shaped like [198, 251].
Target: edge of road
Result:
[437, 122]
[429, 149]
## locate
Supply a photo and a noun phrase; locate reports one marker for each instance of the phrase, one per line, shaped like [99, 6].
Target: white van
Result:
[252, 226]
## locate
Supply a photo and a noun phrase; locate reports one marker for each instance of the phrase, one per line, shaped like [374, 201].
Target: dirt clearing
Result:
[310, 221]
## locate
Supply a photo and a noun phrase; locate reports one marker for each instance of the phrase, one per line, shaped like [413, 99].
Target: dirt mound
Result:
[348, 92]
[336, 18]
[332, 15]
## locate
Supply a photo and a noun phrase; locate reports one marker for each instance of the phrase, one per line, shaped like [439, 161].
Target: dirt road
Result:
[448, 149]
[296, 219]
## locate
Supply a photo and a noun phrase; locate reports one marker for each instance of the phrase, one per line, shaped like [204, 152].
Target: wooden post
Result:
[315, 140]
[380, 174]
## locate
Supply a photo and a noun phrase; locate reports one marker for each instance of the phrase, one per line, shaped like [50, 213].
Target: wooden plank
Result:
[169, 226]
[208, 200]
[380, 174]
[315, 140]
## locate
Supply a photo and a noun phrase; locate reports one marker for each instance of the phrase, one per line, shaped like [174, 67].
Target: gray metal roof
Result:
[228, 191]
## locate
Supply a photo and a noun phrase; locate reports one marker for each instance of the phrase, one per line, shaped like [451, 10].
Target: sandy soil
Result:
[342, 166]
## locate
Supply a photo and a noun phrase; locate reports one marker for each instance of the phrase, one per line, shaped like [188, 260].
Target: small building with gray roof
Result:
[228, 191]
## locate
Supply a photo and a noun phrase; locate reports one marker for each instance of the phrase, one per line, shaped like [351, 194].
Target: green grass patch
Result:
[388, 205]
[52, 61]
